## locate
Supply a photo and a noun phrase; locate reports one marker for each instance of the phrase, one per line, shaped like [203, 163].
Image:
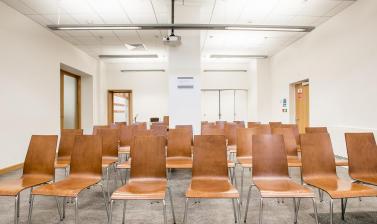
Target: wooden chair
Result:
[188, 127]
[253, 124]
[240, 124]
[148, 175]
[166, 120]
[270, 174]
[66, 143]
[125, 138]
[230, 132]
[295, 131]
[315, 130]
[109, 152]
[140, 125]
[85, 172]
[38, 169]
[220, 124]
[159, 129]
[179, 149]
[274, 124]
[289, 141]
[362, 157]
[245, 149]
[118, 124]
[97, 127]
[319, 170]
[210, 129]
[209, 173]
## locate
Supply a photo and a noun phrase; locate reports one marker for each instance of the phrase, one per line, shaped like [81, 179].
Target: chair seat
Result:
[294, 161]
[141, 189]
[15, 186]
[124, 149]
[179, 162]
[108, 161]
[340, 188]
[69, 187]
[211, 188]
[245, 162]
[125, 165]
[232, 148]
[372, 180]
[282, 188]
[62, 163]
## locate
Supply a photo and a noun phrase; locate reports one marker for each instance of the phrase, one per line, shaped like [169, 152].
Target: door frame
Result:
[78, 100]
[110, 105]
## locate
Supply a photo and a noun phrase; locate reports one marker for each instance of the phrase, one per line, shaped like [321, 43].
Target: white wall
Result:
[339, 58]
[30, 58]
[150, 90]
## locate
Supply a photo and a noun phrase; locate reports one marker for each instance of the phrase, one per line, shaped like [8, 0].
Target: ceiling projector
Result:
[172, 40]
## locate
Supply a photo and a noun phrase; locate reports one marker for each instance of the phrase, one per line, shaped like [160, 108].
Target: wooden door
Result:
[302, 105]
[119, 106]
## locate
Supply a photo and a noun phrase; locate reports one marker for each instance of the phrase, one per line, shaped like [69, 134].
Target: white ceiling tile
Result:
[44, 6]
[318, 7]
[76, 7]
[40, 19]
[60, 19]
[20, 6]
[90, 18]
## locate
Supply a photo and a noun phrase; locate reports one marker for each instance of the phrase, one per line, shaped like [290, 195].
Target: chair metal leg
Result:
[315, 210]
[331, 210]
[296, 208]
[30, 208]
[344, 205]
[116, 175]
[239, 210]
[16, 201]
[164, 208]
[105, 200]
[320, 192]
[185, 214]
[111, 211]
[107, 183]
[64, 202]
[18, 207]
[247, 203]
[261, 211]
[241, 193]
[124, 211]
[58, 207]
[234, 210]
[171, 204]
[234, 176]
[76, 210]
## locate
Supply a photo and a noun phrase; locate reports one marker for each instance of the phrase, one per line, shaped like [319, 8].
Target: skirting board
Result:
[11, 168]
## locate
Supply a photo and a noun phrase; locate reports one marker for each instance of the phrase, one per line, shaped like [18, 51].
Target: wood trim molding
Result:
[11, 168]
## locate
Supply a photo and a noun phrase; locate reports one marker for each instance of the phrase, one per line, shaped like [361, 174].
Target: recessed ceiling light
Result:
[130, 56]
[238, 56]
[224, 70]
[143, 70]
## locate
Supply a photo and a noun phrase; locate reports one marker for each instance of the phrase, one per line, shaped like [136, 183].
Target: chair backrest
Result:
[210, 157]
[210, 129]
[269, 157]
[179, 143]
[67, 141]
[187, 127]
[159, 129]
[118, 124]
[253, 124]
[362, 154]
[40, 157]
[295, 131]
[97, 127]
[240, 124]
[275, 124]
[86, 159]
[140, 125]
[166, 120]
[148, 158]
[230, 131]
[220, 124]
[109, 142]
[317, 156]
[245, 140]
[125, 135]
[316, 130]
[289, 140]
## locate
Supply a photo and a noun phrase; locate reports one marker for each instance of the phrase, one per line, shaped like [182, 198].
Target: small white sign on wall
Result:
[185, 82]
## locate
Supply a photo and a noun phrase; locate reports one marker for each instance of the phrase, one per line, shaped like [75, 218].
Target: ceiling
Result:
[252, 12]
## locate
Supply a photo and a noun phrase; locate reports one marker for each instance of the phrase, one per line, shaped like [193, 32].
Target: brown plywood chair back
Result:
[309, 130]
[86, 159]
[109, 142]
[140, 125]
[98, 127]
[220, 124]
[118, 124]
[275, 124]
[67, 141]
[166, 120]
[253, 124]
[295, 131]
[210, 157]
[125, 135]
[139, 133]
[40, 157]
[362, 154]
[289, 140]
[269, 157]
[230, 131]
[210, 129]
[240, 124]
[148, 158]
[317, 156]
[188, 127]
[179, 143]
[245, 140]
[159, 129]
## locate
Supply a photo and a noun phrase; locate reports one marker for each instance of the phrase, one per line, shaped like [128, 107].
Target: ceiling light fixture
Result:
[183, 27]
[129, 56]
[224, 70]
[143, 70]
[238, 56]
